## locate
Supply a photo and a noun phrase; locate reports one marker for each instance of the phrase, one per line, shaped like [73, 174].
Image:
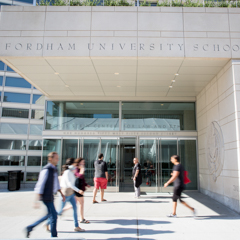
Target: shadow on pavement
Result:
[127, 222]
[137, 201]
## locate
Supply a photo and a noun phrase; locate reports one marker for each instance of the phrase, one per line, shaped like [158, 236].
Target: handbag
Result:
[186, 180]
[67, 191]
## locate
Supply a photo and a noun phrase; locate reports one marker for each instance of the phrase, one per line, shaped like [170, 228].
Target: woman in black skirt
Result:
[81, 184]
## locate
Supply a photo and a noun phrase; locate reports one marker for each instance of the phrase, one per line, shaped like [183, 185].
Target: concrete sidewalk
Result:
[123, 217]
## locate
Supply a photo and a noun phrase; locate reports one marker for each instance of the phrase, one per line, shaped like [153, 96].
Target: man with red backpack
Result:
[178, 176]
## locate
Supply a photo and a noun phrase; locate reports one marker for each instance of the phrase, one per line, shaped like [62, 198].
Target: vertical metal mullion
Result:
[120, 115]
[45, 115]
[78, 149]
[160, 163]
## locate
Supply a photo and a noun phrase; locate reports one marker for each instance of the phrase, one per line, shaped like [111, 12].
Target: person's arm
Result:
[106, 174]
[136, 174]
[173, 178]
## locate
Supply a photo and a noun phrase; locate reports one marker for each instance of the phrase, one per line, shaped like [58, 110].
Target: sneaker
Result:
[78, 229]
[171, 215]
[194, 213]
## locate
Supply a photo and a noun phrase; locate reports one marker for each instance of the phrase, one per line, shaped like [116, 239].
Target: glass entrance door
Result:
[127, 153]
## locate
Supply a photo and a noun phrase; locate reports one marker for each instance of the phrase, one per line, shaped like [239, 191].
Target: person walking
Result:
[67, 184]
[137, 177]
[179, 186]
[46, 186]
[100, 177]
[81, 184]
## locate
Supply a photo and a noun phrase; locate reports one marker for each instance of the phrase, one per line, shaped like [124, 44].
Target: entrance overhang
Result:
[118, 53]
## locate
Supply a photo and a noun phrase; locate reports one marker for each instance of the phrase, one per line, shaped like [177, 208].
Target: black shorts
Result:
[177, 194]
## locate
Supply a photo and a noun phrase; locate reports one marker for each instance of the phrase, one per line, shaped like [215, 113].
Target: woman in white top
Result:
[67, 184]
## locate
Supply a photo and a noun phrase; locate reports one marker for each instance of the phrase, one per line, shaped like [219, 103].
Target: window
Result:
[14, 128]
[38, 99]
[34, 161]
[158, 116]
[12, 160]
[82, 116]
[1, 66]
[36, 129]
[4, 176]
[35, 145]
[1, 80]
[17, 82]
[9, 69]
[15, 112]
[16, 97]
[32, 176]
[12, 144]
[50, 145]
[37, 114]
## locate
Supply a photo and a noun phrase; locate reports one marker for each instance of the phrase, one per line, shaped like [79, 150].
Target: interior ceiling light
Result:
[118, 86]
[81, 103]
[176, 74]
[116, 73]
[173, 80]
[170, 86]
[56, 73]
[66, 86]
[162, 104]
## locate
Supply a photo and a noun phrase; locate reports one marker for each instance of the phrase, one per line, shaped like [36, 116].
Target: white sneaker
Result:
[194, 212]
[78, 229]
[171, 215]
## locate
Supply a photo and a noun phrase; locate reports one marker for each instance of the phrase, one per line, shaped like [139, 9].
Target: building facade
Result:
[127, 81]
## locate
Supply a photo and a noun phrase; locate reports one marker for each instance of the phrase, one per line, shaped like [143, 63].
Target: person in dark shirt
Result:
[100, 177]
[179, 186]
[137, 177]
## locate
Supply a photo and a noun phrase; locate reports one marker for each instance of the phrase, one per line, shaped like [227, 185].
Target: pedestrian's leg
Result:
[81, 202]
[53, 218]
[102, 194]
[135, 189]
[174, 208]
[94, 194]
[74, 206]
[138, 192]
[185, 204]
[30, 227]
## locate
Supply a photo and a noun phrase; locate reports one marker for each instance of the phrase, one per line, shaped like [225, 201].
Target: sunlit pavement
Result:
[123, 217]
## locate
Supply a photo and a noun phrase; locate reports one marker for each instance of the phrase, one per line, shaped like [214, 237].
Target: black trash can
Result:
[14, 180]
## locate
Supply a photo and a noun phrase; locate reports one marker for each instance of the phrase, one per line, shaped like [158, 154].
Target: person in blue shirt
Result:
[46, 187]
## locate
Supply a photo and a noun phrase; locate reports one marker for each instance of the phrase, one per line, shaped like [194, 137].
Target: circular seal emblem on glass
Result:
[215, 150]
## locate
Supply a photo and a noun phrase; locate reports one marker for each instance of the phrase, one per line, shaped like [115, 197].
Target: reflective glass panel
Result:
[12, 144]
[9, 69]
[148, 160]
[157, 116]
[127, 153]
[70, 148]
[1, 80]
[1, 66]
[91, 149]
[37, 114]
[82, 116]
[167, 149]
[32, 176]
[188, 157]
[36, 129]
[15, 112]
[14, 128]
[17, 82]
[4, 176]
[35, 145]
[38, 99]
[110, 152]
[34, 161]
[16, 97]
[50, 145]
[12, 160]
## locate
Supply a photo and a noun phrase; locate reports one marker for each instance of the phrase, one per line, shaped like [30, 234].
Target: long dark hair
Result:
[68, 163]
[78, 160]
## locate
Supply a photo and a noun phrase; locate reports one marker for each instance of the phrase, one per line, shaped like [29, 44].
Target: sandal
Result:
[104, 200]
[94, 201]
[84, 221]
